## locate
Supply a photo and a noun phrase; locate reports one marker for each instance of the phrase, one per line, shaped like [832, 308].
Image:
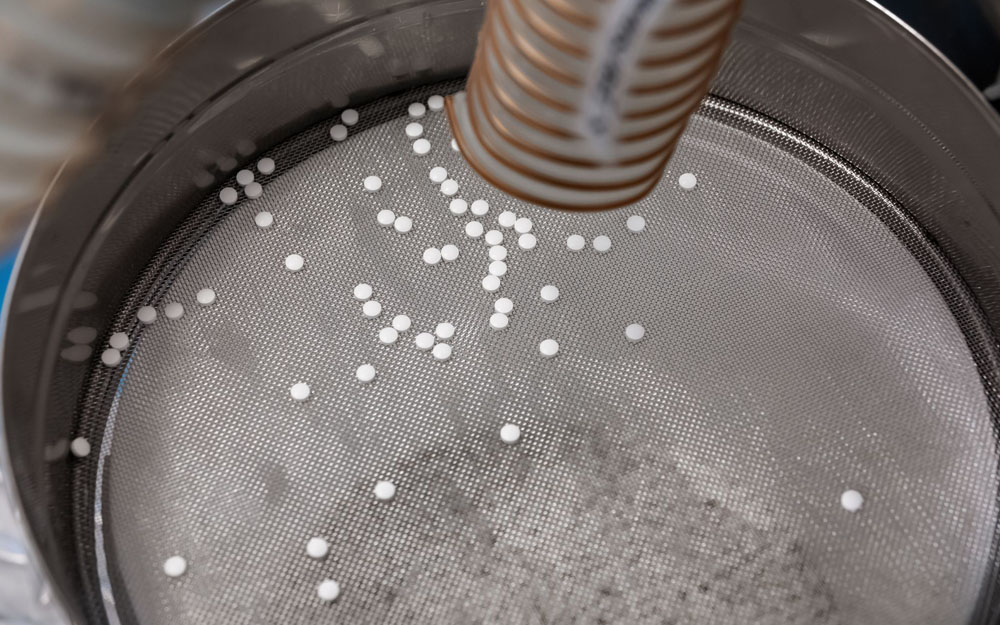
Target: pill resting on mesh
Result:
[851, 500]
[328, 590]
[403, 224]
[299, 391]
[372, 184]
[79, 447]
[175, 566]
[371, 309]
[294, 262]
[317, 548]
[365, 373]
[384, 490]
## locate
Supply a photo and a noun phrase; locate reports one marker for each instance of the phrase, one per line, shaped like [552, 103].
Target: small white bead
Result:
[424, 341]
[503, 305]
[387, 336]
[119, 340]
[328, 590]
[84, 335]
[458, 206]
[480, 208]
[499, 321]
[851, 500]
[687, 181]
[146, 314]
[228, 196]
[474, 229]
[79, 447]
[205, 297]
[371, 309]
[432, 256]
[527, 241]
[253, 190]
[454, 145]
[363, 292]
[384, 490]
[111, 357]
[636, 223]
[449, 252]
[491, 284]
[401, 323]
[175, 566]
[435, 103]
[602, 244]
[634, 332]
[575, 242]
[414, 130]
[294, 262]
[372, 184]
[444, 330]
[244, 177]
[498, 268]
[349, 117]
[421, 147]
[173, 310]
[549, 293]
[441, 351]
[338, 132]
[507, 219]
[416, 110]
[494, 237]
[449, 187]
[365, 373]
[438, 174]
[548, 348]
[266, 166]
[522, 225]
[263, 219]
[317, 548]
[385, 217]
[403, 224]
[498, 252]
[299, 391]
[510, 433]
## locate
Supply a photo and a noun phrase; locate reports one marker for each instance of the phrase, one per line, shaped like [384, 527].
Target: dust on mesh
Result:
[794, 348]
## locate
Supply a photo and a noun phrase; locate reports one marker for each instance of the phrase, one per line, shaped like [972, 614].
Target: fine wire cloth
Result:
[795, 347]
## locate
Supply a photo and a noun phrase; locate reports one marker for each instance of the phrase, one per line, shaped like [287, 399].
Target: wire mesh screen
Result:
[795, 347]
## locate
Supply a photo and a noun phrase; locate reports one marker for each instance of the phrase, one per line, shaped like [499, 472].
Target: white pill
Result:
[458, 206]
[111, 357]
[401, 323]
[119, 340]
[454, 145]
[498, 268]
[82, 335]
[575, 242]
[474, 229]
[205, 297]
[503, 305]
[365, 373]
[414, 130]
[441, 351]
[494, 237]
[435, 103]
[244, 177]
[387, 336]
[498, 252]
[522, 225]
[507, 219]
[403, 224]
[266, 166]
[432, 256]
[499, 320]
[349, 117]
[372, 184]
[79, 447]
[449, 252]
[527, 241]
[424, 341]
[449, 187]
[510, 433]
[416, 110]
[228, 196]
[636, 223]
[491, 283]
[299, 391]
[549, 293]
[602, 243]
[363, 292]
[444, 330]
[294, 262]
[371, 309]
[253, 190]
[263, 219]
[480, 208]
[851, 500]
[317, 548]
[338, 132]
[687, 181]
[438, 174]
[175, 566]
[146, 314]
[385, 217]
[173, 310]
[548, 348]
[634, 332]
[421, 147]
[76, 353]
[384, 490]
[328, 590]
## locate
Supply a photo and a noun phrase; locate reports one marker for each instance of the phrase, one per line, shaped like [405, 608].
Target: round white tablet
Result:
[205, 297]
[435, 103]
[494, 237]
[480, 208]
[507, 219]
[266, 166]
[522, 225]
[416, 110]
[498, 268]
[175, 566]
[549, 293]
[76, 353]
[82, 335]
[244, 177]
[401, 323]
[317, 548]
[575, 242]
[403, 224]
[527, 241]
[173, 310]
[441, 351]
[432, 256]
[253, 190]
[449, 187]
[602, 243]
[384, 490]
[363, 292]
[414, 130]
[294, 262]
[146, 314]
[851, 500]
[503, 305]
[371, 309]
[498, 252]
[634, 332]
[635, 223]
[385, 217]
[510, 433]
[372, 184]
[111, 357]
[228, 196]
[491, 283]
[263, 219]
[454, 145]
[458, 206]
[444, 330]
[349, 117]
[338, 132]
[79, 447]
[474, 229]
[499, 321]
[438, 174]
[449, 252]
[387, 336]
[328, 590]
[299, 391]
[548, 348]
[687, 181]
[421, 147]
[119, 340]
[424, 341]
[365, 373]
